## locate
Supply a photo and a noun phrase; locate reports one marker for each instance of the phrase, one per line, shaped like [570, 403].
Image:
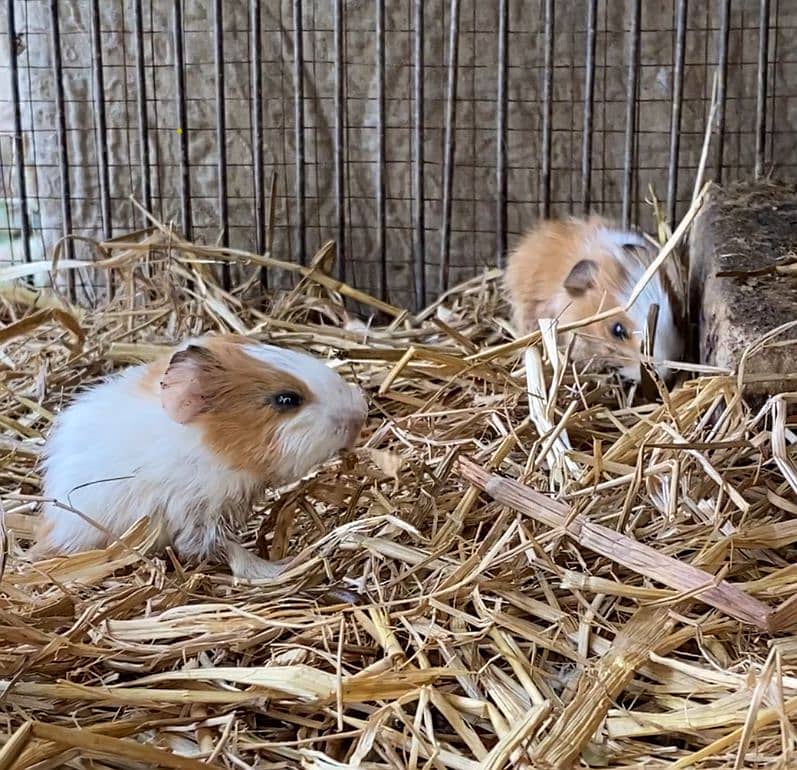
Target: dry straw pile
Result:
[523, 568]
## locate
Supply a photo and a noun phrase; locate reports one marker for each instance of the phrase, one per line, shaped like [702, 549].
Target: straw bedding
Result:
[563, 579]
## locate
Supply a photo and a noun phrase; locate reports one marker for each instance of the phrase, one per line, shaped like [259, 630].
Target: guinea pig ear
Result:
[581, 277]
[184, 387]
[635, 250]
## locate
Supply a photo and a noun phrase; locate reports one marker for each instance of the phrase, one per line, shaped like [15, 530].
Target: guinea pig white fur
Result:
[191, 440]
[572, 269]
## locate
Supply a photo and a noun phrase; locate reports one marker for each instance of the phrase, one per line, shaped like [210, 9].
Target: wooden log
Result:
[743, 281]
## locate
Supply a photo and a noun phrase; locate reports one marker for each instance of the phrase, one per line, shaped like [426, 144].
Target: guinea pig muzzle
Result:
[352, 418]
[351, 428]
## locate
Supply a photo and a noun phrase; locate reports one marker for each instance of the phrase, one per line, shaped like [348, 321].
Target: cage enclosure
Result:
[422, 136]
[521, 564]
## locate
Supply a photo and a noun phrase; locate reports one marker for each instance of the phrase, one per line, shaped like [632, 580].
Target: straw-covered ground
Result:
[523, 567]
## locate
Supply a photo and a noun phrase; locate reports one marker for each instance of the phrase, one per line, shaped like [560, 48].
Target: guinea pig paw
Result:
[245, 565]
[348, 460]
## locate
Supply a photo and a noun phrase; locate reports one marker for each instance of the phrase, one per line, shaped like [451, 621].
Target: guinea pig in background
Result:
[572, 269]
[192, 440]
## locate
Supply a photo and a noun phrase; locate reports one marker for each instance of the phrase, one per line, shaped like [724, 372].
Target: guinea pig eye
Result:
[286, 400]
[619, 331]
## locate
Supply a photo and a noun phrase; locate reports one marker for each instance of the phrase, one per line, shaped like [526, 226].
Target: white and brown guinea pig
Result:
[191, 440]
[571, 269]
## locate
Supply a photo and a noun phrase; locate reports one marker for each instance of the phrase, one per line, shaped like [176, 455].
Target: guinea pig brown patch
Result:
[149, 382]
[239, 420]
[534, 272]
[154, 372]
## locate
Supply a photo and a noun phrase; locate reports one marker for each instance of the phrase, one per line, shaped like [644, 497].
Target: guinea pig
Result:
[571, 269]
[192, 440]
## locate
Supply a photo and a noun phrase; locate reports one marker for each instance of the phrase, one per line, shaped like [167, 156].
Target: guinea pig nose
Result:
[352, 425]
